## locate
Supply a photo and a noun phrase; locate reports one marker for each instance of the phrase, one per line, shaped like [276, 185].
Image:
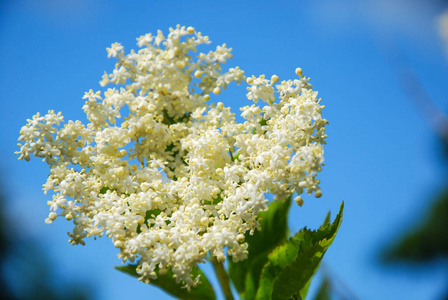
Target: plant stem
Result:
[223, 277]
[231, 155]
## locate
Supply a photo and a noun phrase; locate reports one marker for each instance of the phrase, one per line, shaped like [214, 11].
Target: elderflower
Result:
[178, 177]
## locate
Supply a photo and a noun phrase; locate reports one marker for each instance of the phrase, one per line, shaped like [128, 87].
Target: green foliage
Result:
[292, 265]
[245, 275]
[428, 241]
[26, 259]
[203, 291]
[323, 293]
[276, 268]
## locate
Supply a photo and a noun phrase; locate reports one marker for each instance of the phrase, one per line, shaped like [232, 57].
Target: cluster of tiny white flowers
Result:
[178, 178]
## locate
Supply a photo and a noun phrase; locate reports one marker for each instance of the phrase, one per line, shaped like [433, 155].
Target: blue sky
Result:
[382, 158]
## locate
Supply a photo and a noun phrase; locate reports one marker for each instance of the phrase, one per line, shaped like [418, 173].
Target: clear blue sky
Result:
[382, 158]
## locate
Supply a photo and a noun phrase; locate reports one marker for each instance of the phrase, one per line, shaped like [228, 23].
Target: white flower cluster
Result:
[178, 178]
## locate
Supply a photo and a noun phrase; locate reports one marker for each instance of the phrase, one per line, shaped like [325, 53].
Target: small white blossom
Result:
[114, 50]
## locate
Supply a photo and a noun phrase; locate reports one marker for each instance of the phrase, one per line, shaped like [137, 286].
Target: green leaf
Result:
[245, 274]
[323, 293]
[204, 290]
[291, 266]
[424, 242]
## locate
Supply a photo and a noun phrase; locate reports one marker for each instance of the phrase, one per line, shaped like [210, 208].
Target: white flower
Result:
[114, 50]
[177, 178]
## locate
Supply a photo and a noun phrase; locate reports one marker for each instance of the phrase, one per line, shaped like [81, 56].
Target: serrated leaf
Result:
[204, 290]
[245, 274]
[291, 266]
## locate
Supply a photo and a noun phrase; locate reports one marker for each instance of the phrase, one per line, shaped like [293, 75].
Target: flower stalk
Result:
[223, 278]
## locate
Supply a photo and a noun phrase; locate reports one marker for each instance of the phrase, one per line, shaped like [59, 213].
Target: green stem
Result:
[231, 155]
[223, 277]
